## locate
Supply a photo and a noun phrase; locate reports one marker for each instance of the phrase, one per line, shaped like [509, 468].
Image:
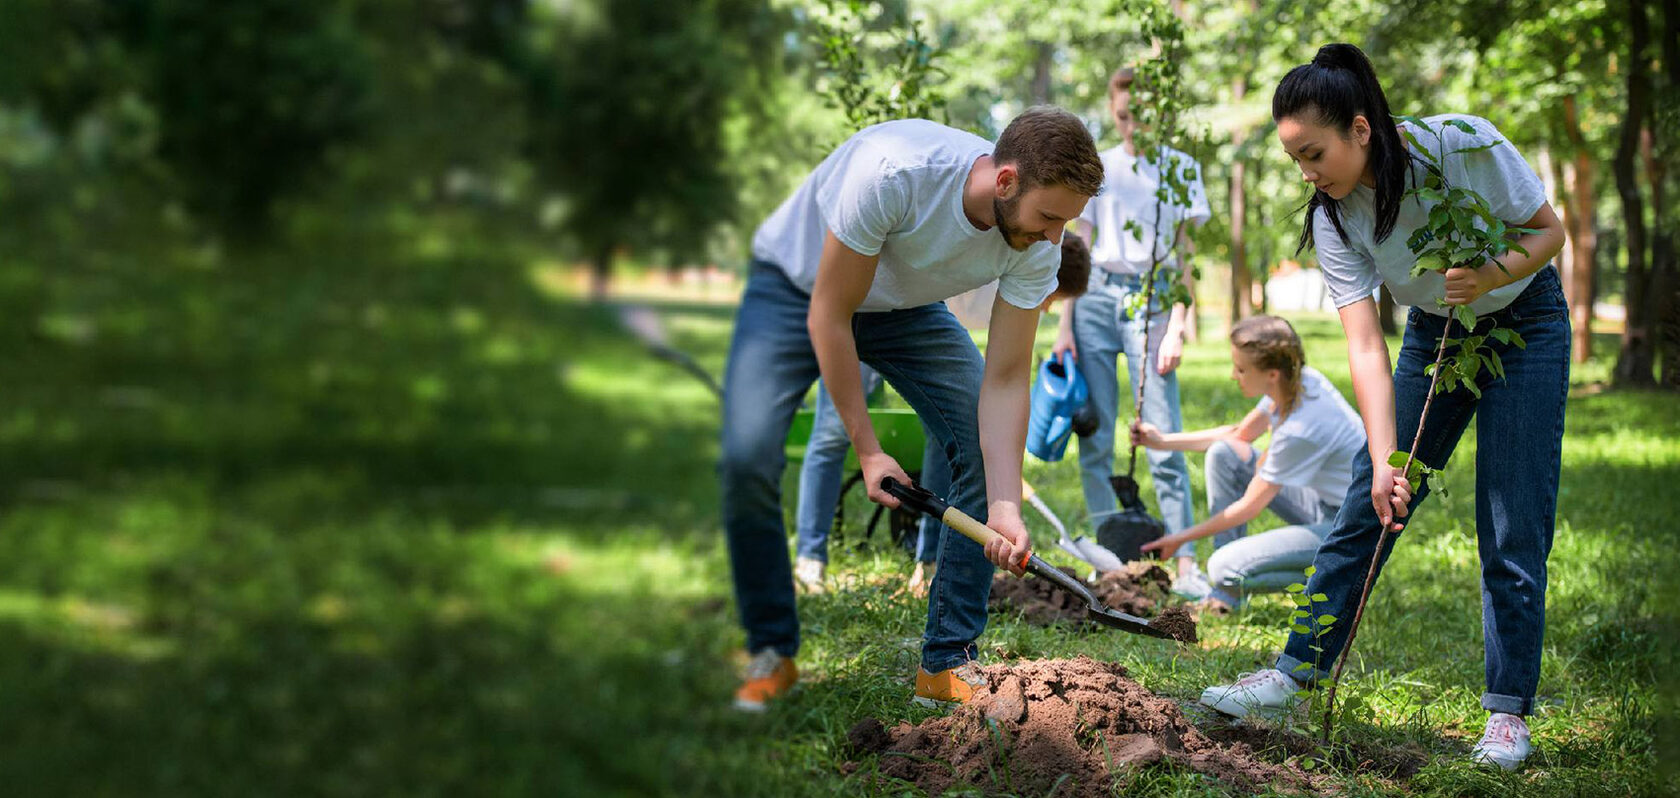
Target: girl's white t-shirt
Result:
[1315, 445]
[1354, 269]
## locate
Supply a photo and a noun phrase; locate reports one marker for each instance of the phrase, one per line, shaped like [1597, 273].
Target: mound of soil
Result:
[1057, 727]
[1140, 588]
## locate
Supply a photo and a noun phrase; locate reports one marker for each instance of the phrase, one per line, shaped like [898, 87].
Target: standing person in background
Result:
[1128, 226]
[1333, 121]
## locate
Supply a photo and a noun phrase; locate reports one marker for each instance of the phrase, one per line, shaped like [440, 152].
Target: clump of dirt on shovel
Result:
[1056, 727]
[1140, 588]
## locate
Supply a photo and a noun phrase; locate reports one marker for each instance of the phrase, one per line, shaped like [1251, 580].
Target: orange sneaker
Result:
[950, 686]
[769, 675]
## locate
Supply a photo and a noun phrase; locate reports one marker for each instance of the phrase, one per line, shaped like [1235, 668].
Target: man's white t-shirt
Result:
[1354, 269]
[896, 189]
[1130, 185]
[1314, 447]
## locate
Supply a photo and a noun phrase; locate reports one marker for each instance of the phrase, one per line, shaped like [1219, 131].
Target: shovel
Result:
[922, 500]
[1082, 548]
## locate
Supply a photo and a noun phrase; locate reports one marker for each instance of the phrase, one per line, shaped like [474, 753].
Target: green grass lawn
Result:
[429, 531]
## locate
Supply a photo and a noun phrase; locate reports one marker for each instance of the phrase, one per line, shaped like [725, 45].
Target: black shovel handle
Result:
[922, 500]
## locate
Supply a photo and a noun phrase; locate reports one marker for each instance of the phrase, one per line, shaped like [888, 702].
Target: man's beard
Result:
[1005, 212]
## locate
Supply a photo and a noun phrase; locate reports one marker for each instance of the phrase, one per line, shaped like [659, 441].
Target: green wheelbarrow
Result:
[901, 436]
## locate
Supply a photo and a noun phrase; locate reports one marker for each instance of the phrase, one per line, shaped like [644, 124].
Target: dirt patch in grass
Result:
[1141, 588]
[1057, 727]
[1277, 744]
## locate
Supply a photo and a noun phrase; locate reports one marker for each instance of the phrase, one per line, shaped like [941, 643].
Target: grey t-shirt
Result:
[1354, 269]
[1314, 447]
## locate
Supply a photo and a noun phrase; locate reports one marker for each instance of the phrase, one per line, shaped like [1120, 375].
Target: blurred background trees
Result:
[634, 135]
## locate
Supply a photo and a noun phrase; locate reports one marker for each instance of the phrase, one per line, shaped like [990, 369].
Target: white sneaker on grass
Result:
[808, 573]
[1504, 743]
[1192, 585]
[1265, 693]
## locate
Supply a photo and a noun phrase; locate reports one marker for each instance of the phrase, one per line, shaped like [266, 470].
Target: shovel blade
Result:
[1094, 609]
[1119, 620]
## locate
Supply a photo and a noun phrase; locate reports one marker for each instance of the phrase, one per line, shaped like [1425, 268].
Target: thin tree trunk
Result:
[1041, 73]
[1664, 147]
[1659, 306]
[1551, 175]
[1241, 279]
[1581, 222]
[1634, 364]
[600, 273]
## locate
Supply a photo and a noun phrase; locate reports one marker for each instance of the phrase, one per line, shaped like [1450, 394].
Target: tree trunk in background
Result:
[1385, 311]
[1581, 222]
[1662, 306]
[1041, 73]
[1634, 364]
[1663, 250]
[600, 273]
[1242, 282]
[1241, 279]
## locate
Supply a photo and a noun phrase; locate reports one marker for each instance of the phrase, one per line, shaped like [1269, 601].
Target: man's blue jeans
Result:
[1519, 448]
[1103, 330]
[931, 361]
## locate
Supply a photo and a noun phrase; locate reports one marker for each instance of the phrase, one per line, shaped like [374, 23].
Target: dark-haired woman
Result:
[1302, 477]
[1334, 122]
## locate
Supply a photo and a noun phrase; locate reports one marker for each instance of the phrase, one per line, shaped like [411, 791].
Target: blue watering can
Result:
[1057, 396]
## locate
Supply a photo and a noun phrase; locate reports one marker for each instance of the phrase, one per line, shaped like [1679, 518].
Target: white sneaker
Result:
[808, 574]
[1505, 743]
[1266, 693]
[1193, 586]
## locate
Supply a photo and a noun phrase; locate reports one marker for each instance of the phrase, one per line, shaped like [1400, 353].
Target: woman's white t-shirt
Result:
[1354, 269]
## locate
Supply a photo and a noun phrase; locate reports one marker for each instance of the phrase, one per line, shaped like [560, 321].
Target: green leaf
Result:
[1295, 627]
[1296, 588]
[1465, 316]
[1304, 666]
[1478, 148]
[1326, 620]
[1471, 386]
[1311, 569]
[1417, 146]
[1320, 597]
[1461, 125]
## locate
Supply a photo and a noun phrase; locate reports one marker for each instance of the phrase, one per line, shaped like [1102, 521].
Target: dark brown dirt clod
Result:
[1177, 622]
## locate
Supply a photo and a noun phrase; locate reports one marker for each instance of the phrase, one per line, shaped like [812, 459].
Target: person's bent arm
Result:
[1003, 427]
[1373, 389]
[1172, 344]
[1464, 286]
[1256, 498]
[1250, 428]
[843, 280]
